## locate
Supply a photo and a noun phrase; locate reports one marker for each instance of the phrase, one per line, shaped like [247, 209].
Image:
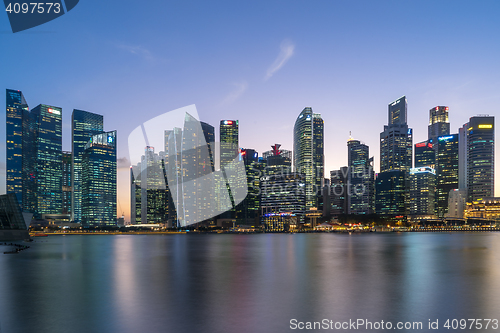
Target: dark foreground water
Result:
[248, 283]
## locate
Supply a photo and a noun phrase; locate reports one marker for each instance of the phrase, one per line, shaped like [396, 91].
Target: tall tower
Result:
[16, 111]
[99, 180]
[229, 148]
[308, 150]
[480, 158]
[392, 186]
[48, 164]
[396, 139]
[84, 125]
[439, 124]
[447, 171]
[361, 178]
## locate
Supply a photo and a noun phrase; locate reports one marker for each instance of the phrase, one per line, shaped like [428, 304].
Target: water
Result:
[247, 283]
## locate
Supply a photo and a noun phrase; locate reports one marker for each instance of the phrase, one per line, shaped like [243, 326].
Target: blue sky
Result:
[260, 63]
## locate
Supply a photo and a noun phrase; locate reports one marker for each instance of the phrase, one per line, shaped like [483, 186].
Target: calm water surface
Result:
[246, 283]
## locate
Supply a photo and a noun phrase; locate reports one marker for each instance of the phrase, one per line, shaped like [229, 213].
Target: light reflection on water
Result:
[246, 283]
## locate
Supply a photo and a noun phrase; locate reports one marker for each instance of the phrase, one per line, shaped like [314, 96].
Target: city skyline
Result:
[260, 75]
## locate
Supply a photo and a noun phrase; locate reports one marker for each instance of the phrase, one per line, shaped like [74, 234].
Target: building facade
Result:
[447, 171]
[99, 181]
[308, 150]
[422, 192]
[84, 125]
[361, 179]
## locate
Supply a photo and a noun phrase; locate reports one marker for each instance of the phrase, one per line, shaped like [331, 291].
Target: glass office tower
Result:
[361, 179]
[16, 110]
[48, 160]
[308, 150]
[84, 125]
[439, 124]
[480, 158]
[447, 171]
[99, 180]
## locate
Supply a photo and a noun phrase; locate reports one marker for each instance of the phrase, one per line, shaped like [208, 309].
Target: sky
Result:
[259, 62]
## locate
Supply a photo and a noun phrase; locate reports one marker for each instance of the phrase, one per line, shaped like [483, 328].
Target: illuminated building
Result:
[66, 183]
[229, 148]
[457, 203]
[84, 125]
[16, 111]
[439, 124]
[480, 158]
[247, 212]
[447, 171]
[425, 154]
[99, 180]
[48, 163]
[392, 184]
[396, 139]
[308, 150]
[283, 193]
[422, 191]
[486, 208]
[361, 179]
[278, 161]
[392, 193]
[338, 191]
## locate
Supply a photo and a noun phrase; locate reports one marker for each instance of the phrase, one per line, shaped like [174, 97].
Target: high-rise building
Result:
[278, 161]
[48, 160]
[392, 193]
[422, 191]
[229, 148]
[457, 203]
[447, 171]
[66, 183]
[462, 157]
[99, 180]
[425, 154]
[480, 158]
[84, 125]
[338, 191]
[16, 111]
[439, 124]
[154, 194]
[396, 139]
[361, 179]
[392, 184]
[282, 195]
[308, 150]
[247, 212]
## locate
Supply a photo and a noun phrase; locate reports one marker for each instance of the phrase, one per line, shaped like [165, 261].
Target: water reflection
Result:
[246, 283]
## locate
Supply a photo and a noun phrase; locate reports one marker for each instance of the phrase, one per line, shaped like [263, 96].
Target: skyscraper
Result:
[99, 180]
[277, 160]
[16, 110]
[447, 171]
[396, 139]
[439, 125]
[229, 148]
[392, 184]
[66, 183]
[480, 158]
[84, 125]
[308, 150]
[425, 154]
[248, 210]
[422, 191]
[48, 160]
[361, 179]
[338, 191]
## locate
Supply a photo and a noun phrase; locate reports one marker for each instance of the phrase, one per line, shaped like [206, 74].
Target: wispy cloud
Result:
[139, 51]
[287, 50]
[239, 89]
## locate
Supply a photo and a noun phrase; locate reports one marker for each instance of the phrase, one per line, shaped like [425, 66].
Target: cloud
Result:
[240, 88]
[139, 51]
[287, 50]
